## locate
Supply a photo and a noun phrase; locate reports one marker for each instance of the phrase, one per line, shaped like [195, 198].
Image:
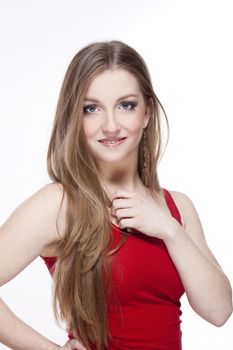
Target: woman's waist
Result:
[145, 327]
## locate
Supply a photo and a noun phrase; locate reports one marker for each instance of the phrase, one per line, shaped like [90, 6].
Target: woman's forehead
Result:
[113, 84]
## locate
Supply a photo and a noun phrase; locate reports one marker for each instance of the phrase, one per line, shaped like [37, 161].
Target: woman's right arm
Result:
[23, 236]
[17, 335]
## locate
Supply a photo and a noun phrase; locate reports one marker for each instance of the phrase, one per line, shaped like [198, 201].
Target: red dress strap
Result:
[172, 205]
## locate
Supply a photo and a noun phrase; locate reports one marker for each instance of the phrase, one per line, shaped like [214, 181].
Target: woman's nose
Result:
[111, 123]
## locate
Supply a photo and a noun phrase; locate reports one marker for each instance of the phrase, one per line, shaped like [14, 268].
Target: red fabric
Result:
[144, 311]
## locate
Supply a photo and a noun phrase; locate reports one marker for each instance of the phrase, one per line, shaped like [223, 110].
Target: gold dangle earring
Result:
[145, 158]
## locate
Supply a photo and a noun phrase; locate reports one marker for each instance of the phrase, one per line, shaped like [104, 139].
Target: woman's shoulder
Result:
[185, 206]
[54, 188]
[54, 197]
[192, 223]
[190, 218]
[53, 193]
[32, 227]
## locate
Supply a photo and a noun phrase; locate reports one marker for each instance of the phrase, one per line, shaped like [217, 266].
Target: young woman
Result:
[121, 249]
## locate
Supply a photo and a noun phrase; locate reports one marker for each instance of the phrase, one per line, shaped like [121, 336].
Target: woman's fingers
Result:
[120, 194]
[125, 213]
[118, 204]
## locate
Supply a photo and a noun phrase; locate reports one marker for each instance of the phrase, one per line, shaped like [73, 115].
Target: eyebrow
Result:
[120, 98]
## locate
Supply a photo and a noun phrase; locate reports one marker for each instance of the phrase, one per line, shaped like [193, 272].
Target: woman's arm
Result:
[17, 335]
[207, 287]
[27, 231]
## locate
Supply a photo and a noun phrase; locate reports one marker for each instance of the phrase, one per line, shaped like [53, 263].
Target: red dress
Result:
[148, 289]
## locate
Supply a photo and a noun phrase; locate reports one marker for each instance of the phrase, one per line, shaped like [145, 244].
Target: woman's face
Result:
[114, 116]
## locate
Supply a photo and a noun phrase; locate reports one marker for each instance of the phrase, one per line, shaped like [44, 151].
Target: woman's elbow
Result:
[222, 318]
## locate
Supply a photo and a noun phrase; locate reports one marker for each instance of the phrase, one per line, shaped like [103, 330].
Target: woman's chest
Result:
[143, 267]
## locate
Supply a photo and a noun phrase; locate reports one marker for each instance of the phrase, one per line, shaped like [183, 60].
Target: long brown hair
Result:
[83, 270]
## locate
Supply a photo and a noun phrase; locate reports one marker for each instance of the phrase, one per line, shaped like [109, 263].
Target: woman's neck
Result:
[131, 185]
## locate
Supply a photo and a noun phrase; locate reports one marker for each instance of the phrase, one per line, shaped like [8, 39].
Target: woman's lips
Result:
[112, 142]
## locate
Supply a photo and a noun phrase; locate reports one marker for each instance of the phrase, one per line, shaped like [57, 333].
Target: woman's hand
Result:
[142, 213]
[71, 344]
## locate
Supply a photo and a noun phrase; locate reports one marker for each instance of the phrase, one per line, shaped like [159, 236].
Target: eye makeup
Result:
[129, 103]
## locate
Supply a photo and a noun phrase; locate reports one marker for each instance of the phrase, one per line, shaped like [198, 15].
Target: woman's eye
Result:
[89, 109]
[131, 104]
[127, 106]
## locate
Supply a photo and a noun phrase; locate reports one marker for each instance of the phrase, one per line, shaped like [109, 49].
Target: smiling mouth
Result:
[112, 141]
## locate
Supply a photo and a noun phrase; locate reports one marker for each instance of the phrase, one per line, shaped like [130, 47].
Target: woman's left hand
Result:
[142, 213]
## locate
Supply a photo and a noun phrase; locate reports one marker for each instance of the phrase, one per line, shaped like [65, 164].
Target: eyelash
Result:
[132, 104]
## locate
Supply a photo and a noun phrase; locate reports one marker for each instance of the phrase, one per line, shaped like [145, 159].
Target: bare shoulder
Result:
[55, 198]
[34, 225]
[45, 200]
[191, 223]
[189, 215]
[55, 201]
[185, 207]
[47, 203]
[39, 211]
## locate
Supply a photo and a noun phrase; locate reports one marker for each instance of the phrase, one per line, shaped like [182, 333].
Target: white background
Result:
[188, 48]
